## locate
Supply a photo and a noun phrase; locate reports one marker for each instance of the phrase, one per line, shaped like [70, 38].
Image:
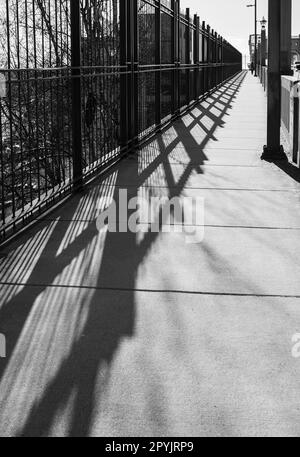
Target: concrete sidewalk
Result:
[121, 334]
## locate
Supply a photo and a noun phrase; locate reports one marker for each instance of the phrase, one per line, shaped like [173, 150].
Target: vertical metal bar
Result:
[2, 184]
[10, 108]
[51, 83]
[255, 52]
[135, 55]
[208, 86]
[187, 57]
[296, 130]
[132, 56]
[179, 44]
[221, 59]
[20, 105]
[129, 78]
[44, 106]
[212, 73]
[124, 75]
[196, 55]
[173, 38]
[68, 89]
[175, 56]
[76, 94]
[36, 95]
[62, 93]
[216, 58]
[224, 60]
[158, 63]
[204, 69]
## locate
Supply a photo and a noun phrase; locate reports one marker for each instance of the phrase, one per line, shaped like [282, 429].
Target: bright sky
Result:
[232, 20]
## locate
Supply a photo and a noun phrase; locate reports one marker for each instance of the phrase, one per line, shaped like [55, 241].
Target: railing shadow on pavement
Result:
[72, 298]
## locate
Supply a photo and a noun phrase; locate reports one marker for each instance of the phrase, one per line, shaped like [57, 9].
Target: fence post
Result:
[178, 37]
[213, 58]
[123, 77]
[135, 74]
[208, 59]
[129, 78]
[219, 59]
[176, 55]
[296, 124]
[158, 64]
[173, 6]
[132, 100]
[203, 58]
[222, 60]
[188, 56]
[216, 59]
[196, 56]
[76, 94]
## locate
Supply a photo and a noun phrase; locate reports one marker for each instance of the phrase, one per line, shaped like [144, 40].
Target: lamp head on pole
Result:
[263, 23]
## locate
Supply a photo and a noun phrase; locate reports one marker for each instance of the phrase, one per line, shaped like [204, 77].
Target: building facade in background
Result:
[295, 44]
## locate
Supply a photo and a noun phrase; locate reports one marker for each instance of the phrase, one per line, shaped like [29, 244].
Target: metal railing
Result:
[84, 81]
[263, 76]
[290, 116]
[290, 111]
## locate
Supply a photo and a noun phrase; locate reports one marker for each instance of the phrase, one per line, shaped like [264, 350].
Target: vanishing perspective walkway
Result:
[110, 333]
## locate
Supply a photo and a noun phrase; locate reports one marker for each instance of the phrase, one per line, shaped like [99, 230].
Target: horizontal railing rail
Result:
[83, 82]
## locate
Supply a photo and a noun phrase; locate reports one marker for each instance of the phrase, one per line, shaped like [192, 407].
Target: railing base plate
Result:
[271, 154]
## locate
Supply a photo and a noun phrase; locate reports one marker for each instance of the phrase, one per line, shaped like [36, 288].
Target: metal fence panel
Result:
[82, 81]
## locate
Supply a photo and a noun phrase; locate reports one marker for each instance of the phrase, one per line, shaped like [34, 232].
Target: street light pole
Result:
[263, 46]
[274, 151]
[255, 52]
[255, 35]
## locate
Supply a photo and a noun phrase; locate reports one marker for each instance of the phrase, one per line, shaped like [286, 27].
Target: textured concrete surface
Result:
[121, 334]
